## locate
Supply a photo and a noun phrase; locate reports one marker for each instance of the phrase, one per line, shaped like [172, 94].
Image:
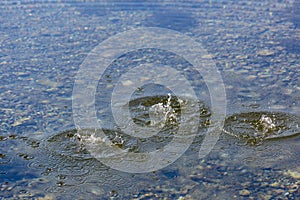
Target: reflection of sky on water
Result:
[43, 45]
[293, 14]
[255, 46]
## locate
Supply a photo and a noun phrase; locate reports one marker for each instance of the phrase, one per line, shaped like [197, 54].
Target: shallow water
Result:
[255, 127]
[255, 46]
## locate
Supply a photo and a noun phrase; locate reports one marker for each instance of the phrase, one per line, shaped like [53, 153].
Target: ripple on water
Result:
[69, 167]
[256, 127]
[65, 147]
[163, 112]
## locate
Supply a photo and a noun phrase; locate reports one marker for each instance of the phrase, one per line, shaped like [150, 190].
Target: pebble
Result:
[127, 83]
[47, 197]
[266, 197]
[294, 174]
[265, 52]
[241, 57]
[294, 188]
[20, 121]
[279, 191]
[275, 184]
[244, 192]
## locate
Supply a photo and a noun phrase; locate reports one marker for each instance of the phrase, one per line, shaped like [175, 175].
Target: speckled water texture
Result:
[255, 45]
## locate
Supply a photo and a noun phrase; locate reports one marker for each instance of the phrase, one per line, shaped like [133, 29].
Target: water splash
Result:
[255, 127]
[163, 114]
[265, 126]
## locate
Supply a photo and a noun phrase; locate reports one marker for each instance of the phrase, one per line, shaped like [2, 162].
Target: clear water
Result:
[255, 46]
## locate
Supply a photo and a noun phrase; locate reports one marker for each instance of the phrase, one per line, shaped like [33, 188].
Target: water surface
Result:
[254, 44]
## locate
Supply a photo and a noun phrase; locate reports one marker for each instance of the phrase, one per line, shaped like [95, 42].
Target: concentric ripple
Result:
[66, 144]
[162, 111]
[255, 127]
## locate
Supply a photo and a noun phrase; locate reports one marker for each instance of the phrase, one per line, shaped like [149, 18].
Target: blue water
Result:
[255, 46]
